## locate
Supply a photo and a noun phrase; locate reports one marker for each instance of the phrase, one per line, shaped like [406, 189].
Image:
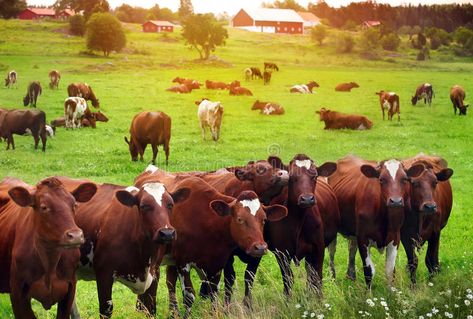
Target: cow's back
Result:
[151, 127]
[17, 121]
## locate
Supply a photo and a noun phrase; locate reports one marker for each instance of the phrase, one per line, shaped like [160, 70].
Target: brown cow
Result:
[11, 79]
[215, 85]
[19, 121]
[39, 243]
[431, 204]
[336, 120]
[256, 73]
[346, 87]
[181, 88]
[192, 84]
[83, 90]
[54, 77]
[34, 90]
[457, 96]
[179, 80]
[270, 66]
[149, 128]
[239, 90]
[235, 83]
[88, 119]
[266, 77]
[389, 101]
[268, 108]
[423, 91]
[373, 200]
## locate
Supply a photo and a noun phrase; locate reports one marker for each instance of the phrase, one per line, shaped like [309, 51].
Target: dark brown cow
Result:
[239, 90]
[39, 243]
[19, 121]
[373, 200]
[346, 87]
[457, 96]
[268, 108]
[304, 88]
[431, 204]
[54, 77]
[34, 90]
[235, 83]
[181, 88]
[215, 85]
[149, 128]
[423, 91]
[270, 66]
[126, 232]
[256, 73]
[335, 120]
[83, 90]
[266, 77]
[389, 101]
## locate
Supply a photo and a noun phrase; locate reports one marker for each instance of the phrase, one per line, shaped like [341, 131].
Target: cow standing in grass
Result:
[423, 91]
[83, 90]
[34, 90]
[266, 77]
[74, 109]
[210, 115]
[389, 102]
[54, 77]
[11, 79]
[457, 96]
[19, 121]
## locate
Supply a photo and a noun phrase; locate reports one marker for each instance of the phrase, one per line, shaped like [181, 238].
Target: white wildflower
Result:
[446, 306]
[375, 299]
[393, 289]
[456, 306]
[321, 316]
[360, 312]
[386, 308]
[327, 305]
[468, 291]
[430, 284]
[429, 315]
[421, 317]
[312, 314]
[467, 302]
[383, 303]
[448, 315]
[371, 303]
[435, 310]
[306, 312]
[298, 305]
[469, 317]
[470, 296]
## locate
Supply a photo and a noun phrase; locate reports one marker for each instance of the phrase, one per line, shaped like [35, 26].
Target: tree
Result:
[286, 4]
[105, 33]
[77, 25]
[390, 42]
[463, 35]
[318, 33]
[127, 13]
[11, 8]
[88, 7]
[345, 43]
[370, 39]
[203, 33]
[185, 9]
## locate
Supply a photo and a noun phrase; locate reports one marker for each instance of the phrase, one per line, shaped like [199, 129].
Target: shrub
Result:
[390, 42]
[77, 25]
[345, 43]
[435, 42]
[405, 30]
[370, 39]
[318, 33]
[463, 35]
[105, 33]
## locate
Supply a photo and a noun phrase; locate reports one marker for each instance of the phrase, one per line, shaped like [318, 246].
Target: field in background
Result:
[136, 80]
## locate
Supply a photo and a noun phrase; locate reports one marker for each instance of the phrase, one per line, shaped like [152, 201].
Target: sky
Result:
[232, 6]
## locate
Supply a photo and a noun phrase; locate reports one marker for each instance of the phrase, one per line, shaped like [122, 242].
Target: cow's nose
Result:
[166, 235]
[395, 202]
[429, 208]
[74, 238]
[306, 201]
[258, 250]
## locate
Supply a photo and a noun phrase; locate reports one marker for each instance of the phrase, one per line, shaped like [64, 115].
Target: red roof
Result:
[372, 23]
[308, 16]
[160, 23]
[43, 11]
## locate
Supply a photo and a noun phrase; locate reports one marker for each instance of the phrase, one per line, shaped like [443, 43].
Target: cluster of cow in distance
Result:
[66, 229]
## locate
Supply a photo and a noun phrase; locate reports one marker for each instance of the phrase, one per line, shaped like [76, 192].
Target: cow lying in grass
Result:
[268, 108]
[336, 120]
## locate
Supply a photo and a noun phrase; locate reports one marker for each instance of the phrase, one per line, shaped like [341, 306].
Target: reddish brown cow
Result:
[457, 96]
[373, 200]
[234, 84]
[423, 91]
[238, 90]
[389, 101]
[34, 90]
[89, 119]
[179, 80]
[335, 120]
[346, 87]
[54, 77]
[39, 243]
[192, 84]
[84, 91]
[431, 204]
[268, 108]
[214, 85]
[149, 128]
[181, 88]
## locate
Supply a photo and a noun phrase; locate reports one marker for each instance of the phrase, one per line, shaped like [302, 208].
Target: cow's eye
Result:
[382, 181]
[261, 170]
[43, 208]
[170, 206]
[145, 207]
[240, 220]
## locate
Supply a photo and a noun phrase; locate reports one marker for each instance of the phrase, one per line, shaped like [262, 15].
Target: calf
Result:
[304, 88]
[457, 96]
[266, 77]
[373, 200]
[210, 115]
[268, 108]
[83, 90]
[211, 85]
[11, 79]
[39, 244]
[346, 87]
[34, 90]
[74, 109]
[54, 77]
[248, 74]
[336, 120]
[181, 88]
[240, 91]
[270, 66]
[149, 128]
[256, 73]
[423, 91]
[389, 102]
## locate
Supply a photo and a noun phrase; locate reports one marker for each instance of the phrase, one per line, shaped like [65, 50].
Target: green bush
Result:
[370, 39]
[105, 33]
[77, 25]
[345, 43]
[463, 35]
[318, 33]
[435, 42]
[390, 42]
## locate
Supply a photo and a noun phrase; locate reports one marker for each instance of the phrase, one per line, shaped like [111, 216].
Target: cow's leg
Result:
[188, 292]
[104, 289]
[412, 261]
[368, 266]
[313, 264]
[36, 138]
[147, 302]
[154, 147]
[382, 109]
[21, 303]
[11, 141]
[250, 274]
[391, 254]
[202, 127]
[166, 151]
[284, 263]
[332, 248]
[171, 279]
[432, 255]
[352, 248]
[398, 117]
[229, 278]
[141, 150]
[64, 305]
[44, 138]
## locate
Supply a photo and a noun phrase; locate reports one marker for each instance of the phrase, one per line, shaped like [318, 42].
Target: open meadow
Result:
[135, 80]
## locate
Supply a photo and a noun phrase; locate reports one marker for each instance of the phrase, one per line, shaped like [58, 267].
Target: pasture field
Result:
[136, 79]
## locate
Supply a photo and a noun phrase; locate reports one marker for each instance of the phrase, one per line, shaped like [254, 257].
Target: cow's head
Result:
[99, 116]
[248, 217]
[215, 119]
[96, 103]
[312, 84]
[54, 210]
[155, 205]
[354, 85]
[394, 181]
[177, 80]
[322, 113]
[257, 105]
[26, 100]
[463, 109]
[414, 100]
[7, 81]
[201, 100]
[133, 149]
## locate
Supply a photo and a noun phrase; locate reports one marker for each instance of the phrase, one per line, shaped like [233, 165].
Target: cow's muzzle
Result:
[258, 250]
[306, 201]
[72, 238]
[165, 235]
[395, 202]
[429, 208]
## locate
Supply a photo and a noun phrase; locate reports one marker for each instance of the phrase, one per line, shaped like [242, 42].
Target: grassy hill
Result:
[136, 79]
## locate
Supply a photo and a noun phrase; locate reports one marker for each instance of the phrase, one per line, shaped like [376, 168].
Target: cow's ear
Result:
[126, 198]
[369, 171]
[415, 170]
[84, 192]
[221, 208]
[126, 140]
[21, 196]
[244, 175]
[275, 212]
[327, 169]
[444, 174]
[276, 162]
[181, 195]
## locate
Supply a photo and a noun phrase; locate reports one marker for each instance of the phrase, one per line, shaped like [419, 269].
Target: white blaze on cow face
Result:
[131, 189]
[305, 163]
[156, 190]
[392, 166]
[252, 204]
[151, 168]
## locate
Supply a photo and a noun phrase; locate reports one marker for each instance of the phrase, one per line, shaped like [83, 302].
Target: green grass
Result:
[136, 80]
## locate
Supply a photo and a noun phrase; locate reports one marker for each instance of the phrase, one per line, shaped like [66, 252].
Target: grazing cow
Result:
[74, 109]
[39, 244]
[431, 204]
[266, 77]
[336, 120]
[83, 90]
[248, 74]
[346, 87]
[215, 85]
[457, 96]
[423, 91]
[54, 77]
[181, 88]
[373, 200]
[270, 66]
[210, 115]
[268, 108]
[149, 128]
[34, 90]
[304, 88]
[235, 83]
[256, 73]
[239, 90]
[19, 121]
[11, 79]
[389, 101]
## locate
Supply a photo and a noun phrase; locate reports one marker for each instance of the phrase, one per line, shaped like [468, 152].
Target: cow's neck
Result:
[49, 255]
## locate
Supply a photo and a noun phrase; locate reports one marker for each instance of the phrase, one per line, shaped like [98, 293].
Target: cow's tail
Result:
[167, 130]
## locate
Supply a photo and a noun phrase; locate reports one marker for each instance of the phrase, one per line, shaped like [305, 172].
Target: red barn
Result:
[158, 26]
[269, 20]
[41, 13]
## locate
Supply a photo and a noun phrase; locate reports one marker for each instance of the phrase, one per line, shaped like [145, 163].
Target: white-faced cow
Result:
[304, 88]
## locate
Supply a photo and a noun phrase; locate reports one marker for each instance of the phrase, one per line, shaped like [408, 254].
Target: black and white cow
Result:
[423, 91]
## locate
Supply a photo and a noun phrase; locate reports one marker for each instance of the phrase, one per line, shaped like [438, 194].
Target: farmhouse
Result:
[158, 26]
[370, 23]
[310, 19]
[269, 20]
[41, 13]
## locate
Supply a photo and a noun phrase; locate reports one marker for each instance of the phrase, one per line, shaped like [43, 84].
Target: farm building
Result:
[41, 13]
[269, 20]
[370, 23]
[158, 26]
[310, 19]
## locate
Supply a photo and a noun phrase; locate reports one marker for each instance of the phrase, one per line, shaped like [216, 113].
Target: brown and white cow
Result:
[74, 109]
[268, 108]
[215, 85]
[304, 88]
[34, 90]
[423, 91]
[373, 199]
[180, 88]
[39, 243]
[83, 90]
[149, 128]
[256, 73]
[457, 96]
[267, 77]
[11, 79]
[239, 90]
[389, 102]
[210, 115]
[335, 120]
[54, 78]
[346, 87]
[431, 204]
[248, 74]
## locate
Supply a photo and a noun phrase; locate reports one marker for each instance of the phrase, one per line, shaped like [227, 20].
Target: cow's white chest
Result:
[252, 204]
[135, 283]
[386, 104]
[361, 127]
